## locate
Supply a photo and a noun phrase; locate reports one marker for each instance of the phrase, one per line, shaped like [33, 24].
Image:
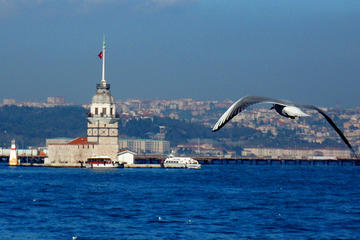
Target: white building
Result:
[9, 101]
[126, 157]
[145, 146]
[56, 100]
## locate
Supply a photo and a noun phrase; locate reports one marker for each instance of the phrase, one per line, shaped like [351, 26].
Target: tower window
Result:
[104, 111]
[96, 111]
[111, 111]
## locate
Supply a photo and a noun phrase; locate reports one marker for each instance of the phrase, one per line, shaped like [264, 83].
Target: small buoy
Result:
[189, 221]
[159, 218]
[74, 238]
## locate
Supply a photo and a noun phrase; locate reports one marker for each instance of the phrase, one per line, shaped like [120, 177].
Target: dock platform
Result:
[146, 161]
[142, 166]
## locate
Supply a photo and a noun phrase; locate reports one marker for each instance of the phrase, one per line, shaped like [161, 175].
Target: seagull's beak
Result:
[273, 106]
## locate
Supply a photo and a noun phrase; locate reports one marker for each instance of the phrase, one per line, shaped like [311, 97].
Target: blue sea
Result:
[216, 202]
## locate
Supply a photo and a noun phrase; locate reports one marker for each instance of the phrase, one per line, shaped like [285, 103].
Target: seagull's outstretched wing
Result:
[243, 103]
[331, 122]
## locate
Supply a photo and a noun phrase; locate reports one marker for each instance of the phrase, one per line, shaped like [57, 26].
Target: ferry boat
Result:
[101, 162]
[181, 162]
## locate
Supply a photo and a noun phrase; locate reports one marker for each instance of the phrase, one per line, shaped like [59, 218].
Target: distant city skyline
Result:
[304, 51]
[311, 130]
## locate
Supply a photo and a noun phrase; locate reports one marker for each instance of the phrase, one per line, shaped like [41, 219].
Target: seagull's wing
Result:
[331, 122]
[243, 103]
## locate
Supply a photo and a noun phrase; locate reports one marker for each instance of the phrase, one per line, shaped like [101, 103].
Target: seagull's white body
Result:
[293, 112]
[283, 107]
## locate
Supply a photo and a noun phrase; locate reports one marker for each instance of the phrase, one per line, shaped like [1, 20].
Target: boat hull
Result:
[101, 165]
[193, 166]
[172, 165]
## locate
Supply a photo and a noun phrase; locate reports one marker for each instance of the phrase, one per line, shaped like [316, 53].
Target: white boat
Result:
[101, 162]
[181, 162]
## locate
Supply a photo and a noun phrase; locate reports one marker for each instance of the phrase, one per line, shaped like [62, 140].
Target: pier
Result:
[153, 160]
[26, 160]
[205, 160]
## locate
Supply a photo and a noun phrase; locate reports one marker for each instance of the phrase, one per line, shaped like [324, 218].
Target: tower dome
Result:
[102, 96]
[102, 103]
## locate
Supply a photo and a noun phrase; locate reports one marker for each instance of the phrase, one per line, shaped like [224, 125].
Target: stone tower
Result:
[102, 127]
[102, 131]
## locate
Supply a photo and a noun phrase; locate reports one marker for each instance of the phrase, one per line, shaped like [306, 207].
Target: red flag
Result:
[100, 55]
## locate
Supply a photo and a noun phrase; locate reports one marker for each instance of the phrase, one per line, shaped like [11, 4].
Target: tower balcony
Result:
[102, 115]
[103, 86]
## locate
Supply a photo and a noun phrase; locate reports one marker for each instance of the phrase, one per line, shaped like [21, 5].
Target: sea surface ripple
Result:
[216, 202]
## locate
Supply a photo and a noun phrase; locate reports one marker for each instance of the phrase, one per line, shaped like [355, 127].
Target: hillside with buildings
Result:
[185, 124]
[309, 130]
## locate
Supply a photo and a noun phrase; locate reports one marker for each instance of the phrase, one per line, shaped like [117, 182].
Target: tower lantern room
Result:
[103, 104]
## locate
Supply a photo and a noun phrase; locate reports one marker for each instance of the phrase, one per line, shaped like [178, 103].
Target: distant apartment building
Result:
[295, 153]
[202, 150]
[56, 100]
[145, 146]
[9, 101]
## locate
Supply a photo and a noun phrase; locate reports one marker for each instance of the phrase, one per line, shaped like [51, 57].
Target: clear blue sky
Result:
[306, 51]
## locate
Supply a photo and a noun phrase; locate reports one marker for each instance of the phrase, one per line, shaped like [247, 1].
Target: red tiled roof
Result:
[79, 141]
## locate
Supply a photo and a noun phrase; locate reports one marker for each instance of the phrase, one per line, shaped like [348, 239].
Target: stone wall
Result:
[73, 154]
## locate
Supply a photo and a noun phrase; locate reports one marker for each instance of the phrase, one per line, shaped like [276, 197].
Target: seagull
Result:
[283, 107]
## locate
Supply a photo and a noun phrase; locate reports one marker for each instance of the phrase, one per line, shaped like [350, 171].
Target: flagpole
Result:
[103, 63]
